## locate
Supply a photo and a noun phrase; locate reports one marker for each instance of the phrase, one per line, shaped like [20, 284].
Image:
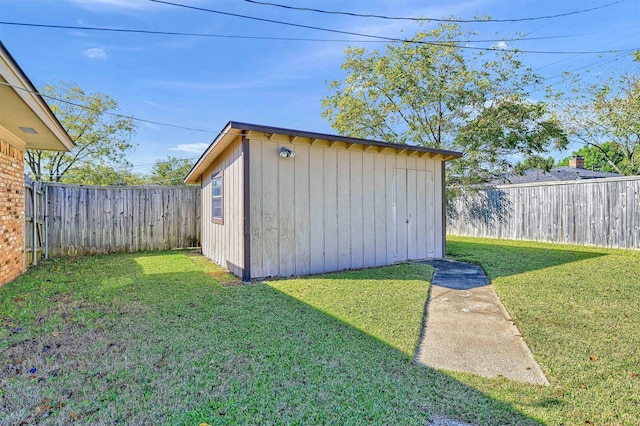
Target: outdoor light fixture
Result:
[286, 152]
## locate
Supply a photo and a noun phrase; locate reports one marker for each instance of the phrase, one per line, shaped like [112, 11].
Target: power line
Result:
[362, 15]
[138, 31]
[377, 37]
[107, 112]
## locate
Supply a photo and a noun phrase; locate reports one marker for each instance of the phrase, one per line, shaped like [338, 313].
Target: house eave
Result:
[24, 108]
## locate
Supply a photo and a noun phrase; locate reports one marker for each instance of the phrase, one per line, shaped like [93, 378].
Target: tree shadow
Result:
[174, 346]
[502, 259]
[482, 205]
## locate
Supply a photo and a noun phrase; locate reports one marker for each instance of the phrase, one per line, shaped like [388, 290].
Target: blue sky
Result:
[203, 82]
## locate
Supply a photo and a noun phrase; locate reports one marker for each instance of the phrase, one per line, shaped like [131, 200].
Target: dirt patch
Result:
[53, 354]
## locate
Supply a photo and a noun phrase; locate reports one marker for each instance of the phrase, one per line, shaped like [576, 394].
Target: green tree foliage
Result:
[535, 162]
[606, 117]
[102, 140]
[598, 158]
[434, 93]
[171, 171]
[103, 175]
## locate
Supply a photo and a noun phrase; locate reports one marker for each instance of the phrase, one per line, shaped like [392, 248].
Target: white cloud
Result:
[152, 126]
[116, 4]
[95, 53]
[122, 4]
[502, 45]
[193, 148]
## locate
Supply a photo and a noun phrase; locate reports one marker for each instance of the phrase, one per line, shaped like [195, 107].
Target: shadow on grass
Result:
[171, 345]
[502, 259]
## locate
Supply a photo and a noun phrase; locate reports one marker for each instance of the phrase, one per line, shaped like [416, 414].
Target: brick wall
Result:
[11, 212]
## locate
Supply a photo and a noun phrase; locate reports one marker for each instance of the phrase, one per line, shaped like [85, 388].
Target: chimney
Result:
[576, 162]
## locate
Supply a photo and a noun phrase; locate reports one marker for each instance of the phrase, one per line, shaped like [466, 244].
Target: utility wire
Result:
[125, 30]
[107, 112]
[136, 31]
[362, 15]
[377, 37]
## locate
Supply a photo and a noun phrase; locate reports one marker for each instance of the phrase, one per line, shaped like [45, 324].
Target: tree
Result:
[597, 158]
[431, 92]
[534, 162]
[606, 117]
[171, 171]
[102, 140]
[103, 175]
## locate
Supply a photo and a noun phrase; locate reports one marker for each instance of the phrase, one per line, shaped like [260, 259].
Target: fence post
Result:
[34, 225]
[45, 231]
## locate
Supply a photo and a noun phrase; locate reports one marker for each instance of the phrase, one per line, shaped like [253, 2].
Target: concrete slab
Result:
[468, 329]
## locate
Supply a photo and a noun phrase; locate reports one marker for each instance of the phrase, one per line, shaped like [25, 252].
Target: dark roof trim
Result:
[226, 136]
[326, 136]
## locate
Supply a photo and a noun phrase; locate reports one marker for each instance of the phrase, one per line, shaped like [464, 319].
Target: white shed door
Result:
[415, 214]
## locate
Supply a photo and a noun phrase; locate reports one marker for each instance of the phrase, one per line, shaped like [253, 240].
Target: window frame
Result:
[214, 219]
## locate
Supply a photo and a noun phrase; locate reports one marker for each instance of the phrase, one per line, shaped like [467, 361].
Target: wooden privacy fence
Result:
[595, 212]
[93, 219]
[34, 217]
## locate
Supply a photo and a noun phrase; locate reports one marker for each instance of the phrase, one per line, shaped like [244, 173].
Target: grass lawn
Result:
[578, 309]
[154, 338]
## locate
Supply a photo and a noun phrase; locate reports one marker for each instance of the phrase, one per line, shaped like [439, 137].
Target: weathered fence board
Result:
[597, 212]
[95, 219]
[34, 218]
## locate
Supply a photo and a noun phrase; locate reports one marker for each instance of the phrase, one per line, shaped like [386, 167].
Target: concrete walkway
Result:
[468, 329]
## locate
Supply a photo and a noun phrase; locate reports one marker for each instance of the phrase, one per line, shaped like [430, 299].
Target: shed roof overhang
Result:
[234, 129]
[26, 121]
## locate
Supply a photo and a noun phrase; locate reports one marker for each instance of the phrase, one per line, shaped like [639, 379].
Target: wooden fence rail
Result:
[92, 219]
[595, 212]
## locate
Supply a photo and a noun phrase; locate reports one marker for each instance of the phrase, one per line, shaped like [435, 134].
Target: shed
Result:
[26, 122]
[283, 202]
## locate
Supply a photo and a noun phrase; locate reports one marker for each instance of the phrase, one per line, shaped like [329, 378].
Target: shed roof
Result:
[26, 120]
[234, 128]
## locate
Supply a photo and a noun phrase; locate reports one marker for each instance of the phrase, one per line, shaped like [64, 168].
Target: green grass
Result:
[386, 303]
[578, 308]
[154, 338]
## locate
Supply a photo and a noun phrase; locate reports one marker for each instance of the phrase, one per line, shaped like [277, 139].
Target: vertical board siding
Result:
[316, 210]
[286, 215]
[301, 216]
[96, 219]
[380, 210]
[344, 209]
[599, 212]
[256, 215]
[224, 242]
[330, 225]
[334, 207]
[356, 210]
[368, 211]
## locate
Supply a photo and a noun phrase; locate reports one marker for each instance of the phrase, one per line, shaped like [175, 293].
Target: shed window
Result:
[216, 197]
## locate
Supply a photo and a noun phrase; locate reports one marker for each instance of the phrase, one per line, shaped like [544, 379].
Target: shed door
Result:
[415, 214]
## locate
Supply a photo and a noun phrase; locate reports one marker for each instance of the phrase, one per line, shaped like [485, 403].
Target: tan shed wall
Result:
[331, 208]
[224, 243]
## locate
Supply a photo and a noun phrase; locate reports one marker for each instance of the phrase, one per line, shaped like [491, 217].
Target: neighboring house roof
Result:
[234, 128]
[26, 121]
[556, 174]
